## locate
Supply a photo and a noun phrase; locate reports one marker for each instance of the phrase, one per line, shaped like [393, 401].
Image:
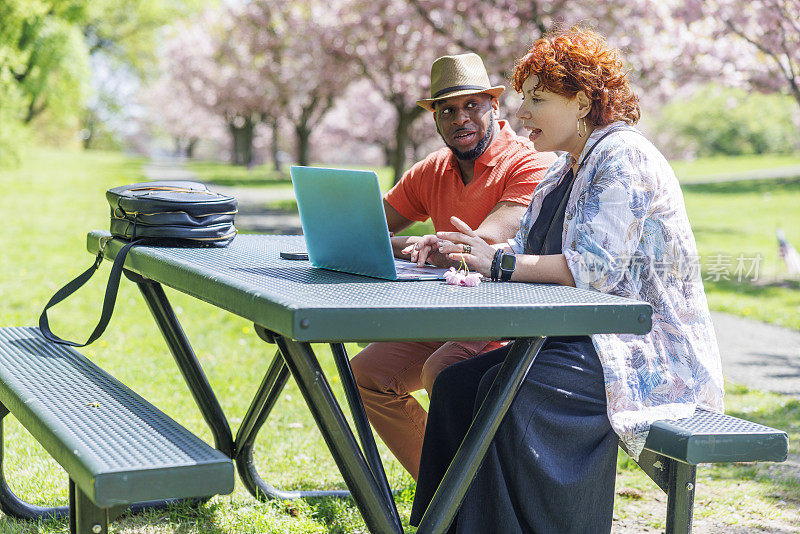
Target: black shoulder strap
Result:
[612, 130]
[108, 302]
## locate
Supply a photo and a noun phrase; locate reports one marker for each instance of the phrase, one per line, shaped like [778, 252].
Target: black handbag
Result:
[174, 213]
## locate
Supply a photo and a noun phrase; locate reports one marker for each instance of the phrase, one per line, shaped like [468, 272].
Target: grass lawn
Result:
[263, 175]
[734, 224]
[702, 169]
[234, 175]
[56, 197]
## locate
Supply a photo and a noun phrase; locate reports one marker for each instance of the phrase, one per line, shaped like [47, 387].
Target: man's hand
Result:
[426, 249]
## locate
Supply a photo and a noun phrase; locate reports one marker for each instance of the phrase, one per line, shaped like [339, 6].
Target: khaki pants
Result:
[387, 374]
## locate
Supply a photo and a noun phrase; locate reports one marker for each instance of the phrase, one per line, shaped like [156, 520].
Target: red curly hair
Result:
[579, 59]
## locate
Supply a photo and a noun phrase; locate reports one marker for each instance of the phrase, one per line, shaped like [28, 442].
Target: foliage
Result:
[43, 65]
[128, 31]
[12, 131]
[45, 49]
[730, 121]
[394, 49]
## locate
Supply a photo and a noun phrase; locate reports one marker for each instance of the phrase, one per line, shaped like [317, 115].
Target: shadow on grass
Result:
[762, 289]
[184, 518]
[232, 175]
[281, 206]
[712, 231]
[333, 512]
[740, 187]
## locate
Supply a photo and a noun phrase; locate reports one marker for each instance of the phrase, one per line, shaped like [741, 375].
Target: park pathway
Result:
[754, 354]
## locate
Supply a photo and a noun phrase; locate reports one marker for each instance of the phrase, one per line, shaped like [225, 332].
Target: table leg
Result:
[448, 496]
[267, 395]
[378, 513]
[361, 422]
[187, 362]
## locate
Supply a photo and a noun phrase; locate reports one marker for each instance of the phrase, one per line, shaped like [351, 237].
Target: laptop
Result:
[344, 224]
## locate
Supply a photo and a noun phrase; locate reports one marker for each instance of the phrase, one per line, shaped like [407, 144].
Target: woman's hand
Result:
[466, 244]
[426, 248]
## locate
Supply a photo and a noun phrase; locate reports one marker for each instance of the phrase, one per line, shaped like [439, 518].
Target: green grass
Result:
[265, 175]
[736, 220]
[56, 197]
[704, 168]
[50, 203]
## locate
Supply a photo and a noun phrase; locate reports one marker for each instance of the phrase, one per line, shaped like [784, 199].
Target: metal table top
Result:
[304, 303]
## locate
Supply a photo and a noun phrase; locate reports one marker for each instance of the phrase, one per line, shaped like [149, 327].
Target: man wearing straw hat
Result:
[485, 176]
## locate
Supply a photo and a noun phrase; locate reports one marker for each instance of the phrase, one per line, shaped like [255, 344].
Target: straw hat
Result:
[459, 75]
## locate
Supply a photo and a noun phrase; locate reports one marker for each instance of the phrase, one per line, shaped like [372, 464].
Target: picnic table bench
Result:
[674, 449]
[117, 448]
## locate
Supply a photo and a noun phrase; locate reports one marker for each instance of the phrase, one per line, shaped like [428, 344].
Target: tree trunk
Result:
[242, 153]
[400, 142]
[405, 116]
[303, 133]
[88, 135]
[387, 154]
[191, 144]
[276, 158]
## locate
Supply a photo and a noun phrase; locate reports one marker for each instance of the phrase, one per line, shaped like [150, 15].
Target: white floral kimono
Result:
[626, 233]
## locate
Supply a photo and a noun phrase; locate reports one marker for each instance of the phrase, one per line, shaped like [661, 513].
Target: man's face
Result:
[466, 124]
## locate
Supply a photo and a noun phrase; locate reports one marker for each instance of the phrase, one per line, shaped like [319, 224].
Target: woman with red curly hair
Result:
[609, 216]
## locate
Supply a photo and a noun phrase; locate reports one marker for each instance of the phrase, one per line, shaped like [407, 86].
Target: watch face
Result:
[507, 262]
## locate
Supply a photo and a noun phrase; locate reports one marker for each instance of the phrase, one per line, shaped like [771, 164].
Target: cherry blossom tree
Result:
[394, 49]
[221, 75]
[305, 78]
[395, 41]
[169, 108]
[361, 128]
[502, 31]
[753, 43]
[262, 61]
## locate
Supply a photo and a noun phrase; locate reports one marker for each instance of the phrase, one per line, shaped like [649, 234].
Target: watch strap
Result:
[494, 272]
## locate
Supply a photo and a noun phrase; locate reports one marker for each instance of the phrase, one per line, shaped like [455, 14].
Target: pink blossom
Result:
[462, 278]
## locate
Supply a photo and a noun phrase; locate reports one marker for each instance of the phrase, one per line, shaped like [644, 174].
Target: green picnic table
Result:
[294, 304]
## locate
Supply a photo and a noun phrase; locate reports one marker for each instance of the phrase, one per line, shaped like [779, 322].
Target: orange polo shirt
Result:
[509, 170]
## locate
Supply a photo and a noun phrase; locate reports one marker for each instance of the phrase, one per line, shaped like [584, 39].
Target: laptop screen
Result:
[343, 221]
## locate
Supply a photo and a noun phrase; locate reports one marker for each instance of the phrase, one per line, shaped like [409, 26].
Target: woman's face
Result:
[551, 118]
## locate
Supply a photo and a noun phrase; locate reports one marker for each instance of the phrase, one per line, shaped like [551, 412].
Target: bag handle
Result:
[108, 301]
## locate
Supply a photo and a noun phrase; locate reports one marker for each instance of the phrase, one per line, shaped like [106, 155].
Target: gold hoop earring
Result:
[582, 125]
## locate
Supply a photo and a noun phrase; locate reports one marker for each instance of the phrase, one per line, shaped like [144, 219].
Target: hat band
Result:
[460, 88]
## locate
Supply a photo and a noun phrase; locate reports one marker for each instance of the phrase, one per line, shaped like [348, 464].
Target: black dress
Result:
[552, 463]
